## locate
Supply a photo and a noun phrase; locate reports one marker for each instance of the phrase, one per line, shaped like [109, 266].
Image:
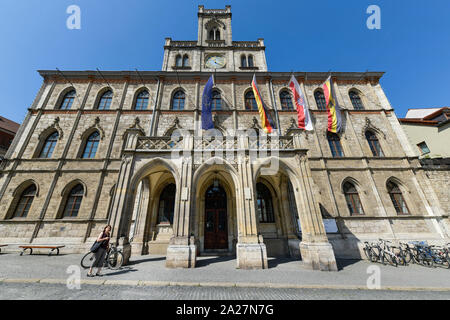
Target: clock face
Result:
[215, 62]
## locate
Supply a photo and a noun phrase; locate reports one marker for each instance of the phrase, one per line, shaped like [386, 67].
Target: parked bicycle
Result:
[114, 259]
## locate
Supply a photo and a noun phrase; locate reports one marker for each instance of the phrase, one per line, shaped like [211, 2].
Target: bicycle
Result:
[113, 260]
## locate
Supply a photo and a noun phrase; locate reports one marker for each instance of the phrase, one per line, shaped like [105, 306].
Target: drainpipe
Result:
[152, 124]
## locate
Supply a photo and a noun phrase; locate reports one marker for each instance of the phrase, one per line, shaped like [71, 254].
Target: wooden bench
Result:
[31, 247]
[2, 245]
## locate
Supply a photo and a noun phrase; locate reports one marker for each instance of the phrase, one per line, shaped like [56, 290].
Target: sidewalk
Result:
[221, 271]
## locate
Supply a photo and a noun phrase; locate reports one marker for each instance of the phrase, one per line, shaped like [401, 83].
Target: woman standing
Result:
[101, 252]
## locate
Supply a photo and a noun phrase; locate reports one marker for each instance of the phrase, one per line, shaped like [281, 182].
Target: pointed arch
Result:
[141, 99]
[319, 97]
[178, 99]
[355, 96]
[66, 98]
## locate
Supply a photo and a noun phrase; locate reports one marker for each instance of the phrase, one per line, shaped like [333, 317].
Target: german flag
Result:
[266, 120]
[334, 112]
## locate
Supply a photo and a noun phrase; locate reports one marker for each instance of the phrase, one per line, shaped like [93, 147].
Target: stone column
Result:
[317, 253]
[251, 251]
[121, 208]
[182, 250]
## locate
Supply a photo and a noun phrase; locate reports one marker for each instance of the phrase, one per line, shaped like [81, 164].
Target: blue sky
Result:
[413, 46]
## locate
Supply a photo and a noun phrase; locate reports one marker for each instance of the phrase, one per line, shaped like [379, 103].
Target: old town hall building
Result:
[127, 148]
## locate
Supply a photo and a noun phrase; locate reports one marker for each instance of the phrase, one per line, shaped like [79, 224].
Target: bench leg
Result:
[24, 249]
[57, 251]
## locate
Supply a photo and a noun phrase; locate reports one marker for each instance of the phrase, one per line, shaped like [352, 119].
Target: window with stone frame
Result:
[352, 199]
[264, 204]
[73, 202]
[250, 101]
[216, 103]
[355, 98]
[397, 198]
[142, 100]
[68, 100]
[49, 146]
[178, 61]
[91, 146]
[335, 145]
[243, 61]
[105, 101]
[185, 60]
[374, 144]
[320, 100]
[250, 61]
[286, 100]
[178, 100]
[25, 201]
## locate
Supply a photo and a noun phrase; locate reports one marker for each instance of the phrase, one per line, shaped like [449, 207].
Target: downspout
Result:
[152, 124]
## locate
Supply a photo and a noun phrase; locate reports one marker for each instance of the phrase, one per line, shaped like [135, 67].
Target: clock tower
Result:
[214, 50]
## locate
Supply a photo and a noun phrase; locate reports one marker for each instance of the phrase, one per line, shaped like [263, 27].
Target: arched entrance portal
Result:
[216, 223]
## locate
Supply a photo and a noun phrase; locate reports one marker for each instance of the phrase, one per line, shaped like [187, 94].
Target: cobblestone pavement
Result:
[18, 291]
[222, 271]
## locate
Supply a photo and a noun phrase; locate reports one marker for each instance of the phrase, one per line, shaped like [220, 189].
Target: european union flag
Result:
[207, 122]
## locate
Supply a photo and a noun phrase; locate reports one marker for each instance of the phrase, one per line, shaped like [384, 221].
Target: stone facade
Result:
[139, 156]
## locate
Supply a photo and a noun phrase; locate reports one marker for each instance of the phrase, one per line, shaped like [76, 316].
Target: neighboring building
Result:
[8, 130]
[99, 148]
[429, 131]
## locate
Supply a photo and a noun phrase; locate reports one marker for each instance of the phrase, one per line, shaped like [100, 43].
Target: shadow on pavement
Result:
[210, 260]
[275, 261]
[131, 262]
[120, 271]
[342, 263]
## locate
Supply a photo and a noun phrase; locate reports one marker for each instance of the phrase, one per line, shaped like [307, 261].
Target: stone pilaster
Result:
[182, 250]
[317, 253]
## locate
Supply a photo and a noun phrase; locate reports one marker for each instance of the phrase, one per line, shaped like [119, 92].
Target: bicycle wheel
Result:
[426, 261]
[391, 259]
[368, 253]
[115, 260]
[87, 260]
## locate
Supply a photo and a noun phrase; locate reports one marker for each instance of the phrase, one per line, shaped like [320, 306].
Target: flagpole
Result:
[275, 107]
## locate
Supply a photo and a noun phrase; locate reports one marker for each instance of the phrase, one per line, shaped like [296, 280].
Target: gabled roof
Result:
[9, 125]
[428, 117]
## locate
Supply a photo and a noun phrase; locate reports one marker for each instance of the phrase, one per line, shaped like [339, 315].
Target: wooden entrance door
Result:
[216, 223]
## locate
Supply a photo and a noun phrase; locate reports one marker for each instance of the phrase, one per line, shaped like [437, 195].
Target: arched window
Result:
[178, 100]
[352, 198]
[397, 198]
[243, 61]
[286, 101]
[250, 61]
[216, 100]
[211, 34]
[105, 101]
[49, 146]
[178, 61]
[335, 145]
[356, 100]
[186, 61]
[264, 202]
[91, 147]
[217, 34]
[25, 201]
[73, 201]
[250, 101]
[374, 144]
[67, 102]
[167, 204]
[320, 100]
[142, 100]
